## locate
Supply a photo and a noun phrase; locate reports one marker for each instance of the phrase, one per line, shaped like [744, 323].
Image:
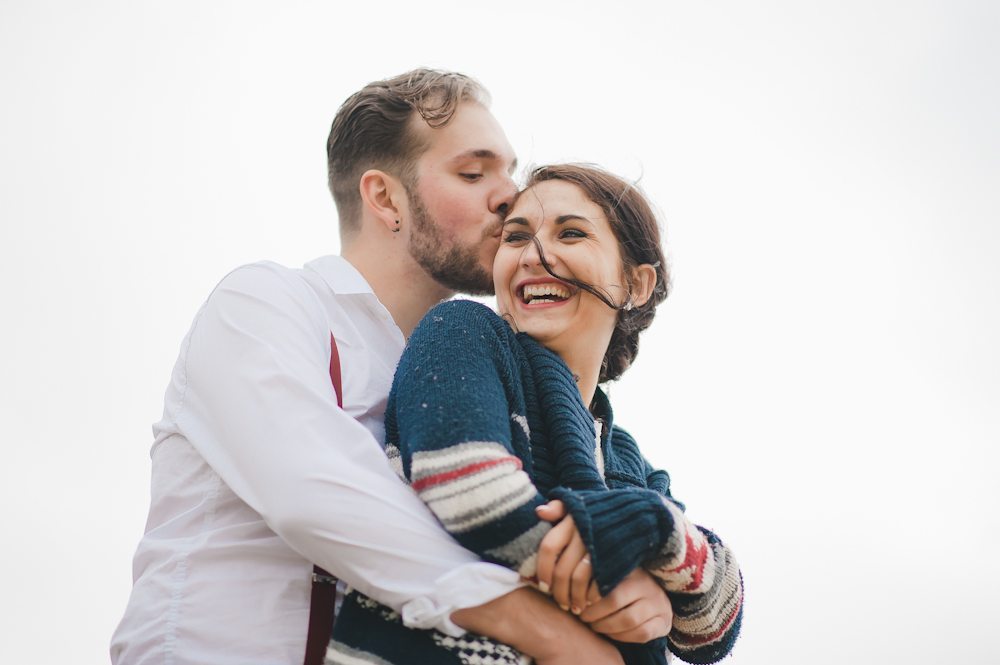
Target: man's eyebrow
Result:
[483, 153]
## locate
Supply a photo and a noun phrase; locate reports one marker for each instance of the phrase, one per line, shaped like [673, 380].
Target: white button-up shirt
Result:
[257, 474]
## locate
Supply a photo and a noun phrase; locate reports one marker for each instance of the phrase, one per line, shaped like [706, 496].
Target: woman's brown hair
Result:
[634, 224]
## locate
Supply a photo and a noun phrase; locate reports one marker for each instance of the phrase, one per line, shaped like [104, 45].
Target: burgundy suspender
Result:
[335, 371]
[324, 585]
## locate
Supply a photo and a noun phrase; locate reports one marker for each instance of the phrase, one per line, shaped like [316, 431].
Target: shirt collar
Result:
[338, 273]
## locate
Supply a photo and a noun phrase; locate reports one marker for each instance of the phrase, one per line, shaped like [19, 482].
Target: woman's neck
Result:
[585, 364]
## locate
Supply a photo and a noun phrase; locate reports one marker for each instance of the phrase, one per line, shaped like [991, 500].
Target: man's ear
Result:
[383, 197]
[643, 283]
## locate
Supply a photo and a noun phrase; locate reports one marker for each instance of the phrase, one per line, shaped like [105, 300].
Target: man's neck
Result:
[401, 285]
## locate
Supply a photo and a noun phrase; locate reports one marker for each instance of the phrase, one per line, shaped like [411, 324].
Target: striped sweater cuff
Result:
[706, 624]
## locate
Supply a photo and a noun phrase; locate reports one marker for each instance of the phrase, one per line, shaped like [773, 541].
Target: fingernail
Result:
[543, 587]
[575, 610]
[564, 608]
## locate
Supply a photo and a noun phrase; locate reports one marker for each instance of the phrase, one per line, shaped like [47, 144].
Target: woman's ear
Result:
[383, 198]
[643, 283]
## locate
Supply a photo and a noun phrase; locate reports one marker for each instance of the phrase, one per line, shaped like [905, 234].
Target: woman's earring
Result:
[628, 305]
[396, 230]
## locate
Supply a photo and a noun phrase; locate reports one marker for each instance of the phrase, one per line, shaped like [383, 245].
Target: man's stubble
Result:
[450, 263]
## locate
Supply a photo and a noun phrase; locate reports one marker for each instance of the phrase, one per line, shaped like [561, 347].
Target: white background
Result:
[823, 384]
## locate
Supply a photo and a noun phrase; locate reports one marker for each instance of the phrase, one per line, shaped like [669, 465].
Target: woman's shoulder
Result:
[460, 322]
[460, 307]
[457, 345]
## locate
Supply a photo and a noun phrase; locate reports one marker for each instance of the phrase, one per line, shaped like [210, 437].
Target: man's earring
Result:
[396, 230]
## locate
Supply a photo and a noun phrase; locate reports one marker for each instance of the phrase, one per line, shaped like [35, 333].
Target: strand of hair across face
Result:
[600, 294]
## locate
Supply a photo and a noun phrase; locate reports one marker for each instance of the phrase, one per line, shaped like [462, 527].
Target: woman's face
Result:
[578, 243]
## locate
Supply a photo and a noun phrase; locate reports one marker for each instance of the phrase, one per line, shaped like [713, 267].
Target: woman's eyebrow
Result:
[561, 219]
[520, 221]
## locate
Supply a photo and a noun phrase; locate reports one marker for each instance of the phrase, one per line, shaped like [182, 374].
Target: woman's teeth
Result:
[544, 293]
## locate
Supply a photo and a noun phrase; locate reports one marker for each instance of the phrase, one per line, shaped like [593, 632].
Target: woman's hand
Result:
[637, 610]
[564, 568]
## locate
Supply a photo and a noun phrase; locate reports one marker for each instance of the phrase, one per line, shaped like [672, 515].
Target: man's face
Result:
[463, 190]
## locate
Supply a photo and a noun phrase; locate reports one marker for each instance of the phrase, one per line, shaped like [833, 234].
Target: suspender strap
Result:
[324, 585]
[321, 604]
[338, 388]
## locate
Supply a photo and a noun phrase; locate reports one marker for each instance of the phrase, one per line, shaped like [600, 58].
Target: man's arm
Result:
[257, 404]
[529, 622]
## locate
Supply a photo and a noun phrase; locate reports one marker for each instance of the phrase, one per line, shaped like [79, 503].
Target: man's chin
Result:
[479, 286]
[483, 291]
[469, 279]
[462, 268]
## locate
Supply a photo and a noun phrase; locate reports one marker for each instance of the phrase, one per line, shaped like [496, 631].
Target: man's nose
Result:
[503, 198]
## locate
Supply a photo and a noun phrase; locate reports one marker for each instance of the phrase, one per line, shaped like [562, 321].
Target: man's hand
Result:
[529, 622]
[563, 565]
[637, 610]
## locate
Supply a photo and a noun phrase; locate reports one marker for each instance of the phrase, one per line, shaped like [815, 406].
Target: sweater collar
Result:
[601, 409]
[566, 422]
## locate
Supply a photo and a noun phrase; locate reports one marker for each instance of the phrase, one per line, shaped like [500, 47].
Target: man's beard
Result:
[449, 263]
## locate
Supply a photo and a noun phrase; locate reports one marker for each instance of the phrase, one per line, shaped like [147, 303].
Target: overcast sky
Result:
[823, 383]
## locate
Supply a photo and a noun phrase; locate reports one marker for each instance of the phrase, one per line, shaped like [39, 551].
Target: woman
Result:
[487, 420]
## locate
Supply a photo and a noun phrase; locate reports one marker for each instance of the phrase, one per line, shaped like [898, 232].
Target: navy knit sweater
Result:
[486, 424]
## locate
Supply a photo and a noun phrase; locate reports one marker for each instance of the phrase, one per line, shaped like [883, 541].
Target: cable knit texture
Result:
[485, 425]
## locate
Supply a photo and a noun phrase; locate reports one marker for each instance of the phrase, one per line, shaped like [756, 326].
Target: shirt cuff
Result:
[468, 586]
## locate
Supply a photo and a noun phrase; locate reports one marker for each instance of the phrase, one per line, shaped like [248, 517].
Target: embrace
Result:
[458, 469]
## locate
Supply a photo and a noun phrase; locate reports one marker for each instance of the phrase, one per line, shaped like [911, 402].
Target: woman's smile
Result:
[554, 236]
[545, 292]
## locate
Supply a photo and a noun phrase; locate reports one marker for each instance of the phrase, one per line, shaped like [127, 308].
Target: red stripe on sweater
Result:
[694, 557]
[467, 470]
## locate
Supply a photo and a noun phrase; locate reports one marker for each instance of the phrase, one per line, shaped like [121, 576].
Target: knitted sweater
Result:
[485, 425]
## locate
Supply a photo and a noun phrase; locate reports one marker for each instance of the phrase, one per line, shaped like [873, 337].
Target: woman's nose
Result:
[534, 254]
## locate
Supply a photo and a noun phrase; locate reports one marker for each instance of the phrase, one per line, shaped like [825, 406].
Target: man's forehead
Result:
[472, 133]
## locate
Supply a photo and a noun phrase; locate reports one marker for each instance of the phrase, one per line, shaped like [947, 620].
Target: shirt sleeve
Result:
[257, 404]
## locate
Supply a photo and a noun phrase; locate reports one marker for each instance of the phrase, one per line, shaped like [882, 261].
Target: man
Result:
[256, 472]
